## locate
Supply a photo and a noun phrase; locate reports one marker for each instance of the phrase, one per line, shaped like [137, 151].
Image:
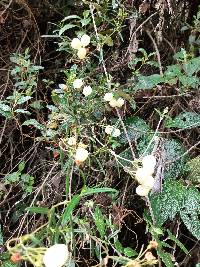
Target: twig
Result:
[125, 131]
[138, 28]
[157, 51]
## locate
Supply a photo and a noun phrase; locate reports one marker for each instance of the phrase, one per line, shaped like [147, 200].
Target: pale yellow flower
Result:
[149, 163]
[81, 155]
[141, 175]
[148, 182]
[71, 141]
[120, 102]
[85, 40]
[87, 90]
[76, 43]
[114, 132]
[56, 256]
[78, 83]
[82, 53]
[113, 103]
[108, 97]
[142, 191]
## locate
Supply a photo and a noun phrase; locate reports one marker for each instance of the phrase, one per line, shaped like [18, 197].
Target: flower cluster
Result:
[78, 83]
[56, 256]
[80, 44]
[144, 175]
[113, 102]
[114, 132]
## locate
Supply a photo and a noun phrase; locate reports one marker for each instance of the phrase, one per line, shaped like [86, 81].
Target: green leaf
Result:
[166, 258]
[184, 120]
[12, 177]
[194, 170]
[129, 252]
[9, 264]
[23, 111]
[66, 27]
[90, 191]
[118, 246]
[69, 210]
[181, 246]
[34, 123]
[173, 149]
[21, 166]
[168, 203]
[172, 72]
[192, 66]
[191, 210]
[189, 81]
[39, 210]
[37, 104]
[177, 199]
[99, 222]
[23, 99]
[71, 17]
[148, 82]
[5, 107]
[136, 128]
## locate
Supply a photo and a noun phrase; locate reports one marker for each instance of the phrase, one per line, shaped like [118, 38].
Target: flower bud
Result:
[16, 257]
[71, 141]
[82, 53]
[85, 40]
[76, 43]
[112, 131]
[142, 191]
[149, 162]
[63, 86]
[148, 182]
[81, 155]
[120, 102]
[116, 133]
[56, 256]
[109, 129]
[141, 175]
[108, 97]
[113, 103]
[149, 256]
[78, 83]
[153, 244]
[87, 90]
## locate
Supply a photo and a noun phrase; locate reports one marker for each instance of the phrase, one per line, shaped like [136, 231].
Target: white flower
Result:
[109, 129]
[116, 133]
[82, 53]
[112, 131]
[63, 86]
[142, 191]
[113, 103]
[87, 90]
[141, 175]
[85, 40]
[108, 97]
[81, 155]
[77, 83]
[148, 182]
[120, 102]
[56, 256]
[76, 43]
[71, 141]
[149, 163]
